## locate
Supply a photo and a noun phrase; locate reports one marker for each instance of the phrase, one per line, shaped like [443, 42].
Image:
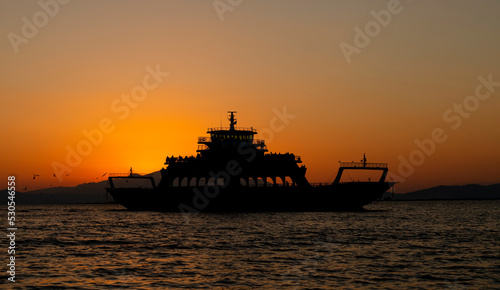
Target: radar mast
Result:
[232, 120]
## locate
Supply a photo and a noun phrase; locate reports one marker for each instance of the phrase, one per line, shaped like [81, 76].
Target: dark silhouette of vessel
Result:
[233, 172]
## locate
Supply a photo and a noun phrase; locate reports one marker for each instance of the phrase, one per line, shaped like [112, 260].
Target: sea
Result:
[391, 245]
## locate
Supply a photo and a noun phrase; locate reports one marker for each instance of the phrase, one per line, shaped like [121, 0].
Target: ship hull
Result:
[335, 197]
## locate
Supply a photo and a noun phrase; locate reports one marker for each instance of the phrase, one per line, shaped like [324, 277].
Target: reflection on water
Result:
[396, 244]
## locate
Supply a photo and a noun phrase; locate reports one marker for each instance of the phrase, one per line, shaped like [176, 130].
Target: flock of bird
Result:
[35, 176]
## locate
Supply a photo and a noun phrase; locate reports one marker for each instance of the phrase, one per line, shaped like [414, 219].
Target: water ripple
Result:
[393, 245]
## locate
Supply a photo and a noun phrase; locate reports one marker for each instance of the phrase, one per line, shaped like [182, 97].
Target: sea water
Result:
[393, 245]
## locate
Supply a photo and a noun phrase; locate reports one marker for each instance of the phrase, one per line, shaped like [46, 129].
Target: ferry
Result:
[233, 171]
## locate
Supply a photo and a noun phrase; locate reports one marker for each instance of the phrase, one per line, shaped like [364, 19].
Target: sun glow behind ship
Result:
[263, 56]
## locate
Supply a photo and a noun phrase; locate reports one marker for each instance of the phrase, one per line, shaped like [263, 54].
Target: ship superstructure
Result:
[235, 147]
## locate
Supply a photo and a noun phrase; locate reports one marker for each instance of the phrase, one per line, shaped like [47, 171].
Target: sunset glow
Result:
[105, 86]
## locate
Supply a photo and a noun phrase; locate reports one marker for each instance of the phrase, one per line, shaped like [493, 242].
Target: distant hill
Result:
[93, 192]
[470, 191]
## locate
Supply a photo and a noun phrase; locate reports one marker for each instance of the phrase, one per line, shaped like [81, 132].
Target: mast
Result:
[232, 120]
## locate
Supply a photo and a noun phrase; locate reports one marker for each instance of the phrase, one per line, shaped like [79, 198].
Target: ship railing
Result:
[319, 184]
[251, 129]
[205, 139]
[363, 165]
[261, 144]
[202, 147]
[288, 156]
[126, 174]
[174, 159]
[112, 177]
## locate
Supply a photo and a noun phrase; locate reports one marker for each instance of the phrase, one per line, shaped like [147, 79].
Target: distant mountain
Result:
[93, 192]
[470, 191]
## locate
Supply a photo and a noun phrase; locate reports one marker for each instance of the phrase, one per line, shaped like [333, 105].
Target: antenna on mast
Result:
[232, 120]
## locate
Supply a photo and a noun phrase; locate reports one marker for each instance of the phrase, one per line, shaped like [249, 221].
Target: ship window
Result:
[269, 181]
[221, 181]
[175, 183]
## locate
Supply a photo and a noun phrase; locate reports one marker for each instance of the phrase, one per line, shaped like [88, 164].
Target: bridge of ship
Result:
[362, 166]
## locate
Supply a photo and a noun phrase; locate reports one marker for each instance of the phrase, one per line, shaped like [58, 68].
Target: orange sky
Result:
[262, 56]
